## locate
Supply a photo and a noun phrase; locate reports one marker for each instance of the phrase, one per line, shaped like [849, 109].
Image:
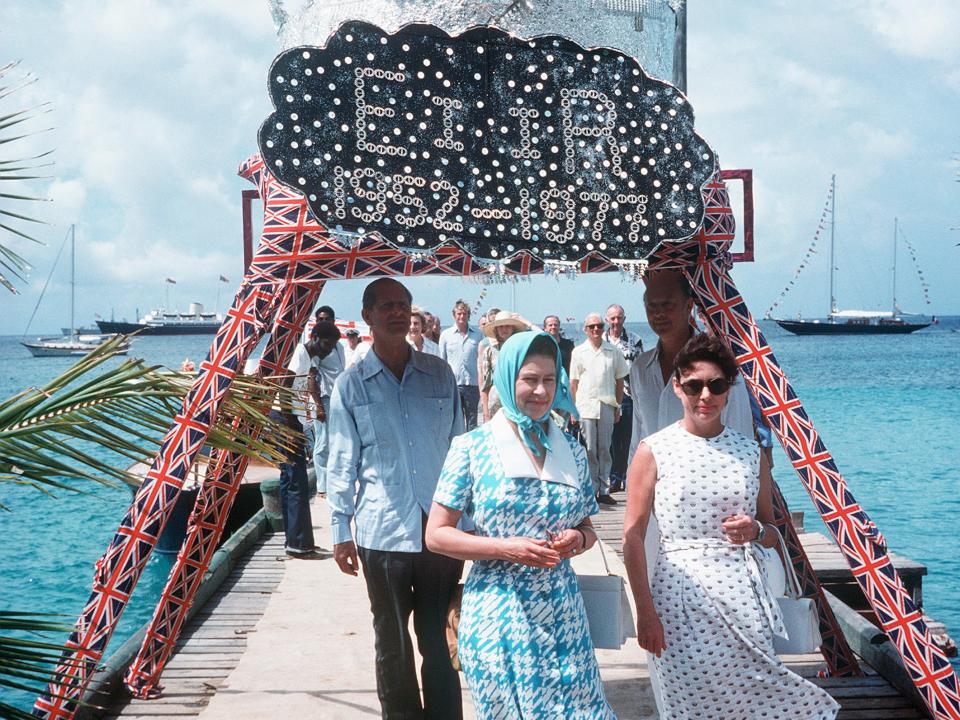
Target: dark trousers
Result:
[620, 444]
[295, 501]
[469, 403]
[399, 583]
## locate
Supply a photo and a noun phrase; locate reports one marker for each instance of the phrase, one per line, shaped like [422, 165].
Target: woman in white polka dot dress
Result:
[704, 610]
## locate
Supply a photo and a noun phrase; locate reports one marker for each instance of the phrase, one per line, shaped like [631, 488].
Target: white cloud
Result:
[828, 93]
[926, 30]
[69, 197]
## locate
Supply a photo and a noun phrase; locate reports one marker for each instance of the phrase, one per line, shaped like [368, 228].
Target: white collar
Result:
[559, 465]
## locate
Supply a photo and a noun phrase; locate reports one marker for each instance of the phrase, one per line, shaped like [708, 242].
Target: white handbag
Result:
[608, 608]
[799, 613]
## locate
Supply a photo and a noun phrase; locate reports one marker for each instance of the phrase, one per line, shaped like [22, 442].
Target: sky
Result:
[153, 104]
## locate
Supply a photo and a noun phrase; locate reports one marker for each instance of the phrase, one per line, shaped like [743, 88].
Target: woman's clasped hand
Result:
[740, 529]
[527, 551]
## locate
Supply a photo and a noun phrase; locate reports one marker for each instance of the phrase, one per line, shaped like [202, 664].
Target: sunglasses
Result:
[594, 326]
[717, 386]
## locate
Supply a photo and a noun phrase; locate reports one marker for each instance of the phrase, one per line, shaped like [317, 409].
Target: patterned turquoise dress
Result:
[524, 642]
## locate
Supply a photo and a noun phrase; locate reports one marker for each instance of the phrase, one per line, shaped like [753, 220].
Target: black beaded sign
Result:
[497, 144]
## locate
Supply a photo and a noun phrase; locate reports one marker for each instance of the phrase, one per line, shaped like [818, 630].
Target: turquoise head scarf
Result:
[512, 354]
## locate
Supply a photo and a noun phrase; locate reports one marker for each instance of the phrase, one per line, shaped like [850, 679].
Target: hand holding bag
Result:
[799, 614]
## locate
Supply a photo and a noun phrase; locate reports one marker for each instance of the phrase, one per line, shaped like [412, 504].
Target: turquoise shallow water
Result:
[886, 407]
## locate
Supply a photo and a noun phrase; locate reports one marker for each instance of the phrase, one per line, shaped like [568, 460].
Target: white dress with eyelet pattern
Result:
[718, 617]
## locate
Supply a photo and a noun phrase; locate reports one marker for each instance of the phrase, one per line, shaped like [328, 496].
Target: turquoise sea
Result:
[886, 407]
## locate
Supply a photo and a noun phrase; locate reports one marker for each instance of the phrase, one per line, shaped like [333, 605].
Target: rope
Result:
[821, 226]
[916, 267]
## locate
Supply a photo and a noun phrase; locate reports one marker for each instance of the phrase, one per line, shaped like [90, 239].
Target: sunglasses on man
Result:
[717, 386]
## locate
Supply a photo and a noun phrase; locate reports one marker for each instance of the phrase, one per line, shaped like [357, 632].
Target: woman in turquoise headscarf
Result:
[524, 643]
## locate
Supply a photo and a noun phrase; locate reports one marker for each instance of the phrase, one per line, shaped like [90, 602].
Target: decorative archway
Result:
[299, 252]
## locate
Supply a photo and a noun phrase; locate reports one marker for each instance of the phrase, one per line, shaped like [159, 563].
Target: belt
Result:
[758, 583]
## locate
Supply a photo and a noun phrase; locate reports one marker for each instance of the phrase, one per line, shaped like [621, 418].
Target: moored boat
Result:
[856, 322]
[72, 343]
[163, 322]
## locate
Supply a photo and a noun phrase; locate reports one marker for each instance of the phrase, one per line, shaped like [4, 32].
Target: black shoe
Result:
[606, 500]
[616, 486]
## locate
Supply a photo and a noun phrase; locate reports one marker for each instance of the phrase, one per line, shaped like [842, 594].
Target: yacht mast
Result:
[73, 277]
[896, 310]
[833, 218]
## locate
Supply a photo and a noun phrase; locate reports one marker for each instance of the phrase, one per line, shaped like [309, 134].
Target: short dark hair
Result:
[543, 345]
[324, 331]
[706, 348]
[370, 292]
[548, 317]
[325, 309]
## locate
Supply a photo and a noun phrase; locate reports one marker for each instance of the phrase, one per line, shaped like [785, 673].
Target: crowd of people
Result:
[496, 442]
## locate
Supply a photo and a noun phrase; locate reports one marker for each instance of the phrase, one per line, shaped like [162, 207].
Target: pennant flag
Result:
[223, 279]
[171, 281]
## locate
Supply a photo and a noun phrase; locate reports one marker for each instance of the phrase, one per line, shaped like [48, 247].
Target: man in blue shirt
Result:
[392, 416]
[458, 346]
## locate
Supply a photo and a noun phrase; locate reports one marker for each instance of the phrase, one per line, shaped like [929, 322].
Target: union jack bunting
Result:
[857, 536]
[205, 525]
[295, 255]
[117, 572]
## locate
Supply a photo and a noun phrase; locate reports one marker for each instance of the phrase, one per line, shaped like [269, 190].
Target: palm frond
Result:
[15, 125]
[58, 432]
[28, 656]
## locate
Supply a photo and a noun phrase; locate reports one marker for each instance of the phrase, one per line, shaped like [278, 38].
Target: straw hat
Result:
[504, 317]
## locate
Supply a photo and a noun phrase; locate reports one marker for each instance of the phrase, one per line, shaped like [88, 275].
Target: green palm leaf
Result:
[50, 435]
[15, 125]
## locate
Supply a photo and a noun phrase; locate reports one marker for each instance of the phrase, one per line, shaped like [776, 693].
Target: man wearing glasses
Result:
[597, 373]
[668, 301]
[392, 416]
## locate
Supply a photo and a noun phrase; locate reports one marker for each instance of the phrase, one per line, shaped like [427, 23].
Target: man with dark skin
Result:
[392, 416]
[326, 364]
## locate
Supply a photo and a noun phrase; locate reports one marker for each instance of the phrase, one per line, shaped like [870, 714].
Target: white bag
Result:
[608, 608]
[799, 614]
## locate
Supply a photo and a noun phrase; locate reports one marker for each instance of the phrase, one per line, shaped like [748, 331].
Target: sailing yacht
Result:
[854, 322]
[71, 344]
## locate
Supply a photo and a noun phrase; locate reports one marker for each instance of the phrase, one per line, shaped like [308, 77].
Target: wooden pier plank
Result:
[213, 642]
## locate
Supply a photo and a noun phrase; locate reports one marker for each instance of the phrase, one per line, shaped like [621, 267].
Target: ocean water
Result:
[885, 406]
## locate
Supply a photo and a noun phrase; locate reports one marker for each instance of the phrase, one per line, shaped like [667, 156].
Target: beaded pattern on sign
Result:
[206, 523]
[558, 135]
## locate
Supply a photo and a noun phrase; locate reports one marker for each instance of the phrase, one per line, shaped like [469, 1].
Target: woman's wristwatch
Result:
[761, 531]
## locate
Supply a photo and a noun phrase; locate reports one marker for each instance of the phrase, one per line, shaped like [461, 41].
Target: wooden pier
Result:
[222, 666]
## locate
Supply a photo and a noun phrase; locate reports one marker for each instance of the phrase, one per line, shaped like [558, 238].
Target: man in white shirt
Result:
[459, 346]
[327, 363]
[356, 348]
[630, 345]
[597, 372]
[669, 302]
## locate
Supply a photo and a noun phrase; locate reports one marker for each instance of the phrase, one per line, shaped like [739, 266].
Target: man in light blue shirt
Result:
[459, 345]
[392, 416]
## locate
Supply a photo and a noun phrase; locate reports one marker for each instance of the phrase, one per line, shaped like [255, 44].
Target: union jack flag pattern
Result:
[859, 540]
[297, 251]
[117, 572]
[205, 525]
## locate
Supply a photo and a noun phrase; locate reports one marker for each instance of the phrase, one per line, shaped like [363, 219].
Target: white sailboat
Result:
[71, 344]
